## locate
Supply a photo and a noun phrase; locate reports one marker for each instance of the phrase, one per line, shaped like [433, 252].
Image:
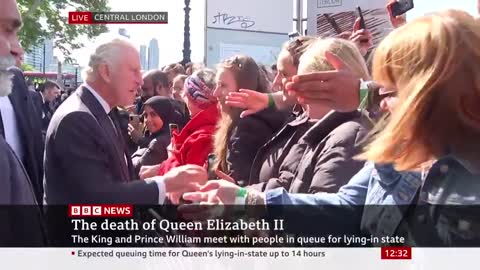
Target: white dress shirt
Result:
[157, 179]
[12, 134]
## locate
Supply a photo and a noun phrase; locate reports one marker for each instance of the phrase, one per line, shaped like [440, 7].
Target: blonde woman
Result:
[428, 152]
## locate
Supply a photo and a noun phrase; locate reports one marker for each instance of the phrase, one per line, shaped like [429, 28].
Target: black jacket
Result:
[22, 223]
[270, 156]
[155, 153]
[30, 131]
[247, 137]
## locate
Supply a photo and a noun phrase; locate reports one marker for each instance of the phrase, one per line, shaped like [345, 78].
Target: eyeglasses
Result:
[384, 92]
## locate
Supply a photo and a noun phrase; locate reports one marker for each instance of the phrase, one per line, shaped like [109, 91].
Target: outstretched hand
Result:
[209, 201]
[248, 100]
[149, 171]
[214, 192]
[338, 89]
[184, 179]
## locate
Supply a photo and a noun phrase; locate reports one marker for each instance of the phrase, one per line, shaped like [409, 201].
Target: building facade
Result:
[143, 57]
[36, 56]
[153, 54]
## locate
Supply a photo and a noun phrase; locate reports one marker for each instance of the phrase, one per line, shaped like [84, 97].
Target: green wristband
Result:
[271, 101]
[242, 192]
[363, 98]
[241, 196]
[363, 93]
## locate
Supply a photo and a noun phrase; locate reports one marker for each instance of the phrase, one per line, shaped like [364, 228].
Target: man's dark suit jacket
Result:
[43, 110]
[37, 101]
[82, 162]
[20, 225]
[30, 131]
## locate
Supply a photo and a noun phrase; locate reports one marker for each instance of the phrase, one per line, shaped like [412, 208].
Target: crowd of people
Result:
[327, 126]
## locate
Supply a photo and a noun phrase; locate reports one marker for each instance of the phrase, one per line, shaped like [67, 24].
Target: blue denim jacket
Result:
[450, 181]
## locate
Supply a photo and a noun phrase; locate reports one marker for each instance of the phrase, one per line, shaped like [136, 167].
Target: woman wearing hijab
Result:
[159, 113]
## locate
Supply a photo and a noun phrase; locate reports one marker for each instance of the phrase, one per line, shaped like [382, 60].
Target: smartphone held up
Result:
[399, 7]
[363, 25]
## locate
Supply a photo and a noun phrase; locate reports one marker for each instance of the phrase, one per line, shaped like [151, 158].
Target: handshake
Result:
[191, 183]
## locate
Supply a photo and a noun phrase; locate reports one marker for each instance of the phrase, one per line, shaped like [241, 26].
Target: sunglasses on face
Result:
[384, 92]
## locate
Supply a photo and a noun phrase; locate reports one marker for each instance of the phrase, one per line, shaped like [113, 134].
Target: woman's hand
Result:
[361, 37]
[248, 100]
[396, 21]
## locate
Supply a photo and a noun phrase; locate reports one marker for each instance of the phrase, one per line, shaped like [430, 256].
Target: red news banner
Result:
[87, 17]
[396, 253]
[117, 210]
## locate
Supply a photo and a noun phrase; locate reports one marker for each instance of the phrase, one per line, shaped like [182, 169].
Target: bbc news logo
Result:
[85, 17]
[100, 210]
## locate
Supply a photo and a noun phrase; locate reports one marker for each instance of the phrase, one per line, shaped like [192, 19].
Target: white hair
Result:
[106, 53]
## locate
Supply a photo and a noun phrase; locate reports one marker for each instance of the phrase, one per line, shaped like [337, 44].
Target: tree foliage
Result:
[27, 67]
[48, 19]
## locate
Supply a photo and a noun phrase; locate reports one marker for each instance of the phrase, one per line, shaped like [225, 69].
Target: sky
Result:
[170, 36]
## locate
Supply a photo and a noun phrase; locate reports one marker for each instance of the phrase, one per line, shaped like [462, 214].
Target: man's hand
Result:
[149, 171]
[214, 192]
[338, 89]
[185, 178]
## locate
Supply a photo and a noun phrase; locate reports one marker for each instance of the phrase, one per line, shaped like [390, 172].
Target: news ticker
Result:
[386, 253]
[233, 258]
[87, 17]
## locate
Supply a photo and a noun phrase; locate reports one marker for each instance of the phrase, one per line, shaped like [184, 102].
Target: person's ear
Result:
[105, 72]
[156, 90]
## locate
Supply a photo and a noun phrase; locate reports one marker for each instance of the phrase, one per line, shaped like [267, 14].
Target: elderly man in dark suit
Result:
[85, 155]
[21, 126]
[19, 226]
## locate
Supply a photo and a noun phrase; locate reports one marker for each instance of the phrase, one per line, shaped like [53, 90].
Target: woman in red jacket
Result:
[193, 144]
